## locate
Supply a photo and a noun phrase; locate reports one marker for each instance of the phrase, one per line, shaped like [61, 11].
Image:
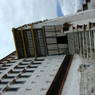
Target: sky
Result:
[70, 6]
[20, 12]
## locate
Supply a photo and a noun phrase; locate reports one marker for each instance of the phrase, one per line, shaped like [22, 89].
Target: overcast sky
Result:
[19, 12]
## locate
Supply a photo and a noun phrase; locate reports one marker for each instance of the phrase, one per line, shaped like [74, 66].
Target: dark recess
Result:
[62, 40]
[85, 6]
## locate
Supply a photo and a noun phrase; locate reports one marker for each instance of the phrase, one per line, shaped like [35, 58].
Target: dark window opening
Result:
[27, 60]
[17, 67]
[24, 76]
[3, 68]
[62, 40]
[1, 63]
[14, 72]
[88, 1]
[32, 66]
[31, 71]
[23, 63]
[36, 63]
[3, 82]
[85, 6]
[66, 26]
[18, 82]
[11, 89]
[6, 65]
[39, 59]
[7, 77]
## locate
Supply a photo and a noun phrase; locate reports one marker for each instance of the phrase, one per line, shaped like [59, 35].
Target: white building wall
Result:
[92, 4]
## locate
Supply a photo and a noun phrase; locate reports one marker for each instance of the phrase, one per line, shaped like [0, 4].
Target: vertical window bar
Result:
[23, 42]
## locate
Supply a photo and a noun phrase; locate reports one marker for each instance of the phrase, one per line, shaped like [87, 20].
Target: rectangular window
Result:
[11, 89]
[62, 40]
[85, 6]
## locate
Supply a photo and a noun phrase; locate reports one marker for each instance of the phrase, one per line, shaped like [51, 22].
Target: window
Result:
[39, 59]
[6, 65]
[18, 82]
[24, 76]
[7, 77]
[66, 26]
[1, 68]
[3, 82]
[23, 63]
[85, 6]
[88, 1]
[32, 66]
[36, 63]
[11, 89]
[62, 40]
[31, 71]
[27, 60]
[13, 71]
[18, 67]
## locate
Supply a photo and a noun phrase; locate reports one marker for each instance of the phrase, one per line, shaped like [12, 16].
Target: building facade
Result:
[44, 53]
